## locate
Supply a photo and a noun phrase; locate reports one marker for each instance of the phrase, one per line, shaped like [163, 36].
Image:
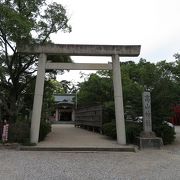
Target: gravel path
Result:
[66, 135]
[161, 164]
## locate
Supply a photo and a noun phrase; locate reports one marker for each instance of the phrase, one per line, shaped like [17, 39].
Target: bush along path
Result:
[19, 133]
[133, 130]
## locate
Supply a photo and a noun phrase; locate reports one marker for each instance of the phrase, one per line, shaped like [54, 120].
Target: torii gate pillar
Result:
[38, 97]
[118, 99]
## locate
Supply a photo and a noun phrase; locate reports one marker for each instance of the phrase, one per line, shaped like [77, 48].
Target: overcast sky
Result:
[153, 24]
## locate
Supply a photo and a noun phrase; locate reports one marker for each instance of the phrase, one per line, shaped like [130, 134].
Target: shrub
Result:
[166, 132]
[108, 112]
[19, 132]
[109, 129]
[133, 130]
[45, 128]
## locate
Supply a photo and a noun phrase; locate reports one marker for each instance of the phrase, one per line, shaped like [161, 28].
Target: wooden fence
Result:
[89, 117]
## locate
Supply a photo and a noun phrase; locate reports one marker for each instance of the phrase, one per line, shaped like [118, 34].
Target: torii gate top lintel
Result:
[82, 49]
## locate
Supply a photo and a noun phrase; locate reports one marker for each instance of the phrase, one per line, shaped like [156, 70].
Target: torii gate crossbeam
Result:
[80, 50]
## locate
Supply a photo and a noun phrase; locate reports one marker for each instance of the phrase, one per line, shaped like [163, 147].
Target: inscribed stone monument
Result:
[148, 138]
[147, 123]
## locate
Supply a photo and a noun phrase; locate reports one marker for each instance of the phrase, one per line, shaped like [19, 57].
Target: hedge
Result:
[20, 132]
[134, 129]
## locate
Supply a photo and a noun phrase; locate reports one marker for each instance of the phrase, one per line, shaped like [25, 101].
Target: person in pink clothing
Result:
[5, 132]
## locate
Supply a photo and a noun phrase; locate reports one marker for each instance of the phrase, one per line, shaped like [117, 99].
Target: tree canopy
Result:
[161, 79]
[25, 22]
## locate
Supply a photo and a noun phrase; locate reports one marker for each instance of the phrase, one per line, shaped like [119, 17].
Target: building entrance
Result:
[66, 116]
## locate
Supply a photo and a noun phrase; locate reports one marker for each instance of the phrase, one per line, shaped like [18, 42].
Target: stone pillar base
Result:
[147, 134]
[149, 142]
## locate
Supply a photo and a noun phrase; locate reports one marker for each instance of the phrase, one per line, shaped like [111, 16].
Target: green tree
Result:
[165, 91]
[177, 68]
[96, 89]
[132, 90]
[51, 87]
[68, 87]
[161, 79]
[24, 22]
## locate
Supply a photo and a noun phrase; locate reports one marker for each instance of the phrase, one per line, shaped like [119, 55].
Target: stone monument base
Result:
[149, 140]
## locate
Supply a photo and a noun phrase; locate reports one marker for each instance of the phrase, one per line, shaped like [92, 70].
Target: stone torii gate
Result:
[114, 51]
